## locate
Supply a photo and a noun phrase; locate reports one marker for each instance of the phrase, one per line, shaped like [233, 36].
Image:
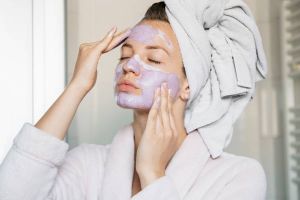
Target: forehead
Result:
[150, 31]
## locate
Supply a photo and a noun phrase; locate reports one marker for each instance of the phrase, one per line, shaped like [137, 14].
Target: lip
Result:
[127, 83]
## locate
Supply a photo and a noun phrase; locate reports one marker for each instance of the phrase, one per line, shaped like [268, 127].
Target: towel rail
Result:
[296, 180]
[294, 39]
[292, 4]
[295, 168]
[295, 61]
[294, 15]
[294, 109]
[295, 121]
[295, 157]
[295, 144]
[293, 27]
[295, 51]
[291, 76]
[296, 132]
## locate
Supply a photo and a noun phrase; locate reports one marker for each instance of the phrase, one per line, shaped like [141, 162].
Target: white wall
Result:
[15, 69]
[32, 63]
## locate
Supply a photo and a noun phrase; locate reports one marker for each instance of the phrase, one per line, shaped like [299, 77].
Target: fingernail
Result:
[112, 31]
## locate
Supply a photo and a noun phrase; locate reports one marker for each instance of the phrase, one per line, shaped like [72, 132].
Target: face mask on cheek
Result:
[147, 81]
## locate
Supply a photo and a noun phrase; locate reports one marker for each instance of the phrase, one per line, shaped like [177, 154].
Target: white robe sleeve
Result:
[249, 184]
[39, 167]
[161, 189]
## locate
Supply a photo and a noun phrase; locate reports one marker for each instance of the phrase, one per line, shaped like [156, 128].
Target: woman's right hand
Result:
[85, 72]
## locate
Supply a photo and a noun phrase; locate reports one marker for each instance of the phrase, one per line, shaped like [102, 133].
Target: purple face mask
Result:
[148, 77]
[146, 34]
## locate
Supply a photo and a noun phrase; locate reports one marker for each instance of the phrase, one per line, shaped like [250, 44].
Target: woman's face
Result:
[149, 57]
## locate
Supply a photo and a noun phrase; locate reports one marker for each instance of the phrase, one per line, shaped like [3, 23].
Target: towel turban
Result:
[223, 57]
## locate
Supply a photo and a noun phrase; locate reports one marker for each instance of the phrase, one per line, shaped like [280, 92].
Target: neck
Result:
[139, 125]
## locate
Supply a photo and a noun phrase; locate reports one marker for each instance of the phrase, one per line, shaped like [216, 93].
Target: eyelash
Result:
[154, 61]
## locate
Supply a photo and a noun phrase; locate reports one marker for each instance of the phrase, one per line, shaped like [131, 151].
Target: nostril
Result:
[132, 65]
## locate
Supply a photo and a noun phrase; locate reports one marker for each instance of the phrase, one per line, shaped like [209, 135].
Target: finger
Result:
[164, 110]
[117, 40]
[103, 44]
[159, 123]
[152, 116]
[171, 114]
[159, 126]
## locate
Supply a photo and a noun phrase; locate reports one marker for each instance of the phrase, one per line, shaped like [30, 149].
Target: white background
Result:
[32, 62]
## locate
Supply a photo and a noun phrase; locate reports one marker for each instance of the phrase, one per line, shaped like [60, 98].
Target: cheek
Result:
[150, 80]
[118, 74]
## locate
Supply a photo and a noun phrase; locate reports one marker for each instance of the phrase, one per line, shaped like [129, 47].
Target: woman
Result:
[154, 157]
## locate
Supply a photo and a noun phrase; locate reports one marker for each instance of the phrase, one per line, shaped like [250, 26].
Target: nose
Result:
[132, 66]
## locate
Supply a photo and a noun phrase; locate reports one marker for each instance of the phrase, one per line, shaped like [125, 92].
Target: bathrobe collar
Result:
[183, 168]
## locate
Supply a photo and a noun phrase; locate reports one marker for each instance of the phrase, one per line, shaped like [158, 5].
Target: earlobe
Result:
[185, 95]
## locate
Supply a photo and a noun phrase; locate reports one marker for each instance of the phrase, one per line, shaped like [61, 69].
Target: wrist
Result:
[79, 89]
[148, 177]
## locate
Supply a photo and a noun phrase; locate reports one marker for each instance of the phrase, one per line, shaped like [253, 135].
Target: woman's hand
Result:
[159, 141]
[85, 72]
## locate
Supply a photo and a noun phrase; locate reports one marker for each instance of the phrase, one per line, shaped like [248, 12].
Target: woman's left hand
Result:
[159, 141]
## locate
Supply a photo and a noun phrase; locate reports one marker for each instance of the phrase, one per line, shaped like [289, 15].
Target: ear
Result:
[185, 91]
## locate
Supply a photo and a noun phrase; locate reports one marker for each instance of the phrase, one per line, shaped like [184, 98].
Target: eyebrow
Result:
[148, 47]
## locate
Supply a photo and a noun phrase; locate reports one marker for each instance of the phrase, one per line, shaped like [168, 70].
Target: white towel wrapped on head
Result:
[223, 57]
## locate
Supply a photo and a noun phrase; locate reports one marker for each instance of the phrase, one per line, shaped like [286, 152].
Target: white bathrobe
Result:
[39, 167]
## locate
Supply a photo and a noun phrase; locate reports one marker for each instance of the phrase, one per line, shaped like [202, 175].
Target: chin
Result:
[131, 101]
[134, 107]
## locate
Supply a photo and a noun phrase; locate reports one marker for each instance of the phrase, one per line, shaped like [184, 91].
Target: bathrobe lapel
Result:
[183, 169]
[119, 166]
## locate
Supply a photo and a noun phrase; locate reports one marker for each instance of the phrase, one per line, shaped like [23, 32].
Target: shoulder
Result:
[243, 163]
[88, 153]
[238, 166]
[237, 175]
[98, 152]
[246, 171]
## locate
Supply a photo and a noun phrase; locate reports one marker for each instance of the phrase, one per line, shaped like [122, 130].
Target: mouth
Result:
[126, 85]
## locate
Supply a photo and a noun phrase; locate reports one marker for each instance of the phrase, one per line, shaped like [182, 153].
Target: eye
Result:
[154, 61]
[123, 58]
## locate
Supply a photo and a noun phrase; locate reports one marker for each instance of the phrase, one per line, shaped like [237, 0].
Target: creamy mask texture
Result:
[148, 77]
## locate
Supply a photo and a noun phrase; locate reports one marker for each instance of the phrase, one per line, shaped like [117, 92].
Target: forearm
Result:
[58, 117]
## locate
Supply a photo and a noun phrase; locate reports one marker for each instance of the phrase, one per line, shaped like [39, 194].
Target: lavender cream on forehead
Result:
[148, 78]
[147, 34]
